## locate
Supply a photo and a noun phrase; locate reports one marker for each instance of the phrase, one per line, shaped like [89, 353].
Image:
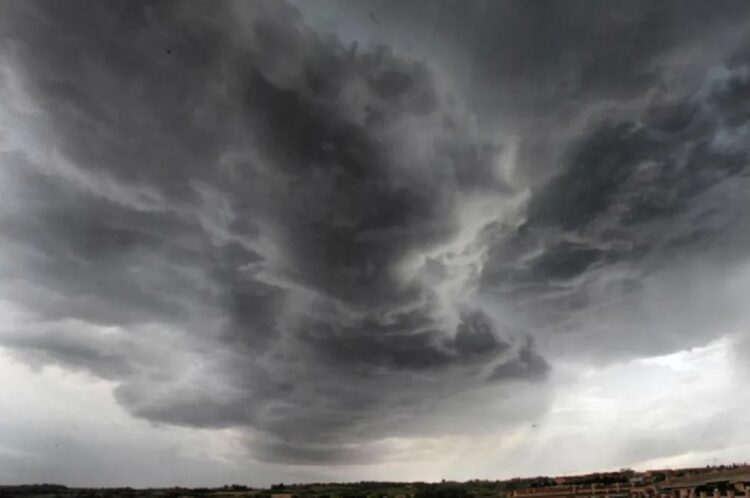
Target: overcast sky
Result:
[265, 241]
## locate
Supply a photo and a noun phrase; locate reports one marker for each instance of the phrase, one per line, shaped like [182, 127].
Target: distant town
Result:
[723, 481]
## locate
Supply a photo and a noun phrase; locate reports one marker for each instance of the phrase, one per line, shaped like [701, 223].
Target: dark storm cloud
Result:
[243, 223]
[234, 211]
[631, 198]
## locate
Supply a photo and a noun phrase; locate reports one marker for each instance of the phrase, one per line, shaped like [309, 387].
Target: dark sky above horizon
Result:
[261, 241]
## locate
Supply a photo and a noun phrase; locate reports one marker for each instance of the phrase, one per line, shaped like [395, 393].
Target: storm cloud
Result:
[243, 222]
[291, 186]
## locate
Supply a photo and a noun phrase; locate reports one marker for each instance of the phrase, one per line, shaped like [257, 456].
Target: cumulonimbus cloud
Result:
[268, 202]
[243, 223]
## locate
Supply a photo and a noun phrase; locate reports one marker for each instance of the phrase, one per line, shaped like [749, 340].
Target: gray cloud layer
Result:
[244, 223]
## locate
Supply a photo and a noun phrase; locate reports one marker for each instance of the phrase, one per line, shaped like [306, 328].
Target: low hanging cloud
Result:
[243, 223]
[233, 219]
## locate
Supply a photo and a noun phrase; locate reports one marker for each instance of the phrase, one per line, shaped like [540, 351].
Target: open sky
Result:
[270, 241]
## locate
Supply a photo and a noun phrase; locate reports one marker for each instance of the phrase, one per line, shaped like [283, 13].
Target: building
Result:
[733, 482]
[725, 483]
[616, 490]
